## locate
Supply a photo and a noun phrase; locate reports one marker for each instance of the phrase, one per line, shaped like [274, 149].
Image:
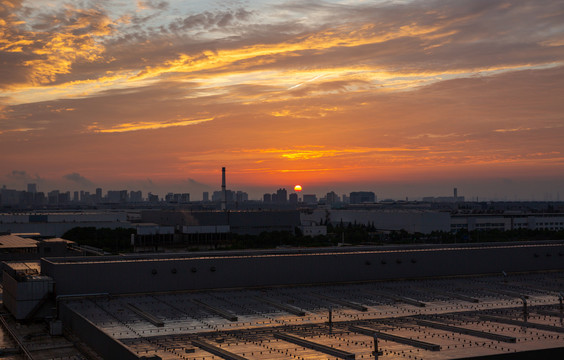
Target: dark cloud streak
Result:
[208, 20]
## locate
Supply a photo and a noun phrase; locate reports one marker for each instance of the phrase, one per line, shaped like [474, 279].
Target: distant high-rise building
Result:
[75, 197]
[359, 197]
[64, 198]
[223, 191]
[25, 198]
[153, 198]
[455, 195]
[32, 188]
[98, 194]
[332, 198]
[293, 198]
[205, 196]
[267, 198]
[178, 198]
[118, 196]
[53, 197]
[241, 197]
[281, 196]
[9, 196]
[217, 196]
[136, 196]
[39, 199]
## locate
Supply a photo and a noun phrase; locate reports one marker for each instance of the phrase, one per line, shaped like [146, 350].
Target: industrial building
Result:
[360, 197]
[237, 222]
[23, 247]
[55, 224]
[507, 221]
[412, 221]
[413, 302]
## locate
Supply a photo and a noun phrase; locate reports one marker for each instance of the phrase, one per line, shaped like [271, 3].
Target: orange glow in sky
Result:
[409, 98]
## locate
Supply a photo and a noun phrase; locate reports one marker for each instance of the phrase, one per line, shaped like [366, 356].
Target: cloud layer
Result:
[344, 91]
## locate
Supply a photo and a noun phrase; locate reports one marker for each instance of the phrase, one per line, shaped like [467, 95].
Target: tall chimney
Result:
[223, 191]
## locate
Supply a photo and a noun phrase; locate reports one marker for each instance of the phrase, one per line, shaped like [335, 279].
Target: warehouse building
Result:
[459, 301]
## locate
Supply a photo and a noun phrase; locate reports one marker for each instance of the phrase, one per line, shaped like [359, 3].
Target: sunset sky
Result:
[403, 98]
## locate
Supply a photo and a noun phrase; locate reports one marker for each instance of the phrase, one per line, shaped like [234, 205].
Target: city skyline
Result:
[403, 98]
[256, 194]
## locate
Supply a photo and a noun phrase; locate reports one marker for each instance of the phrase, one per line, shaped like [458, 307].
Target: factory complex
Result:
[185, 223]
[491, 301]
[496, 300]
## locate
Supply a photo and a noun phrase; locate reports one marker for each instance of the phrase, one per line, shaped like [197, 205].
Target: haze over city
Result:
[403, 98]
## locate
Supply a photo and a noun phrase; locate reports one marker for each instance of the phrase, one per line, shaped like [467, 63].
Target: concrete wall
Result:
[122, 275]
[108, 347]
[22, 297]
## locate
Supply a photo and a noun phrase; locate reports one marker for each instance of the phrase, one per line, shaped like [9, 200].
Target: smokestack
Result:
[223, 191]
[455, 195]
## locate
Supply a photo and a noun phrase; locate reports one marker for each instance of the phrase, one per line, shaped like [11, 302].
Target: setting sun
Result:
[298, 188]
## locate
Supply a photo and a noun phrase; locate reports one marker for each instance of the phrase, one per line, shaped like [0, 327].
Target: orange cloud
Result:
[136, 126]
[65, 37]
[342, 36]
[59, 53]
[19, 130]
[321, 152]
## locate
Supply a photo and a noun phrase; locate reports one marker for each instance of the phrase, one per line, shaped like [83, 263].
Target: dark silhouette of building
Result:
[360, 197]
[293, 198]
[281, 196]
[332, 198]
[310, 199]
